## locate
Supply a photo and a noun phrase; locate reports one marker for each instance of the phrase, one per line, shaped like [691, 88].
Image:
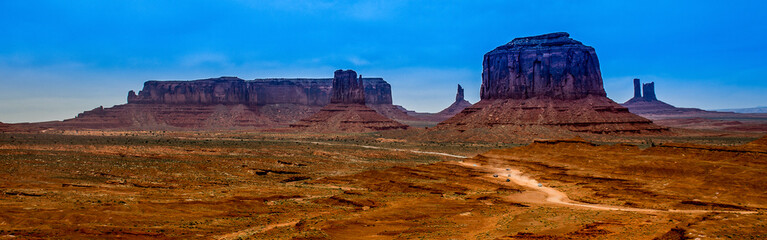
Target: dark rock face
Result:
[347, 111]
[648, 90]
[549, 82]
[648, 105]
[459, 94]
[224, 103]
[550, 66]
[347, 87]
[455, 108]
[259, 92]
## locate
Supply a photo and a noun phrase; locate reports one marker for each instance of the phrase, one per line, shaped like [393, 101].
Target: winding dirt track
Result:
[549, 195]
[552, 196]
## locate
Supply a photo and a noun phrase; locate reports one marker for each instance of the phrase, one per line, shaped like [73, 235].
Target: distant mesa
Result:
[347, 111]
[220, 103]
[548, 80]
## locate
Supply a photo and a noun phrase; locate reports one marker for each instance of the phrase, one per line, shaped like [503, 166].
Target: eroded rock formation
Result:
[548, 80]
[224, 103]
[347, 111]
[347, 88]
[455, 108]
[430, 119]
[550, 65]
[232, 90]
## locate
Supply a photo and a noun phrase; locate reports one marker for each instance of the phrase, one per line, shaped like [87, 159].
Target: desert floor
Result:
[245, 185]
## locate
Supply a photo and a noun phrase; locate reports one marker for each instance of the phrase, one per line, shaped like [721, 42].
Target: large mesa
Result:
[548, 80]
[226, 102]
[550, 65]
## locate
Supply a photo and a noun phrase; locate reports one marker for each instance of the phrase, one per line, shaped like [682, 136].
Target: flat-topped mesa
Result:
[347, 87]
[459, 94]
[259, 92]
[546, 66]
[547, 83]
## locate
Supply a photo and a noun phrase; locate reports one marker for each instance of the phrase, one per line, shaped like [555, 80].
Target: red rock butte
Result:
[546, 80]
[223, 103]
[347, 111]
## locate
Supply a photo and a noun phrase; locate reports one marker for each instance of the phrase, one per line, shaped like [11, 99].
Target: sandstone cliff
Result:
[232, 90]
[550, 65]
[224, 103]
[347, 88]
[347, 111]
[549, 80]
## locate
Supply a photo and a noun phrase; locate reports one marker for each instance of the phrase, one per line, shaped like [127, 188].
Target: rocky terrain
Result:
[230, 185]
[647, 105]
[347, 111]
[548, 80]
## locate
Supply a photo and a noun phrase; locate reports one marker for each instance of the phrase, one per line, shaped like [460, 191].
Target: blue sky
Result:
[59, 58]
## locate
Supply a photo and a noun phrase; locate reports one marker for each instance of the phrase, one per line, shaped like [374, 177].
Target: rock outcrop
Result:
[226, 103]
[347, 111]
[550, 65]
[233, 90]
[648, 91]
[455, 108]
[648, 106]
[648, 103]
[637, 89]
[548, 80]
[431, 119]
[347, 88]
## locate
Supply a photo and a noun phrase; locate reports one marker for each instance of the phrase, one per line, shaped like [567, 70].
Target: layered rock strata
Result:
[548, 80]
[550, 65]
[226, 102]
[347, 111]
[232, 90]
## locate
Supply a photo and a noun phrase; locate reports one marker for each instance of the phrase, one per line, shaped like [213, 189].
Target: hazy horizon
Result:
[62, 58]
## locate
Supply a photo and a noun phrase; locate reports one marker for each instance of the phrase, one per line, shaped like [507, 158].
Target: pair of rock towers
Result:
[646, 93]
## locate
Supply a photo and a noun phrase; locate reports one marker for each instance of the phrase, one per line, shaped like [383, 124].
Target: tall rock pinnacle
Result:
[637, 89]
[648, 91]
[550, 66]
[347, 88]
[459, 94]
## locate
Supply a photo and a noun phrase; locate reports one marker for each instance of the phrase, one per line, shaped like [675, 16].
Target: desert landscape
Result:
[542, 152]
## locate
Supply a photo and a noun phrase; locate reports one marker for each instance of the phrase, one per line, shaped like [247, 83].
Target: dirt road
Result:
[553, 196]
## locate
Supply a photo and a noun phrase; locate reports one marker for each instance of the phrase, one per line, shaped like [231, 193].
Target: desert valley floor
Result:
[256, 185]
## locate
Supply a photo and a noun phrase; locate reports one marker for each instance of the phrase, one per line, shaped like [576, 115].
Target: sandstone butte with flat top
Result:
[548, 80]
